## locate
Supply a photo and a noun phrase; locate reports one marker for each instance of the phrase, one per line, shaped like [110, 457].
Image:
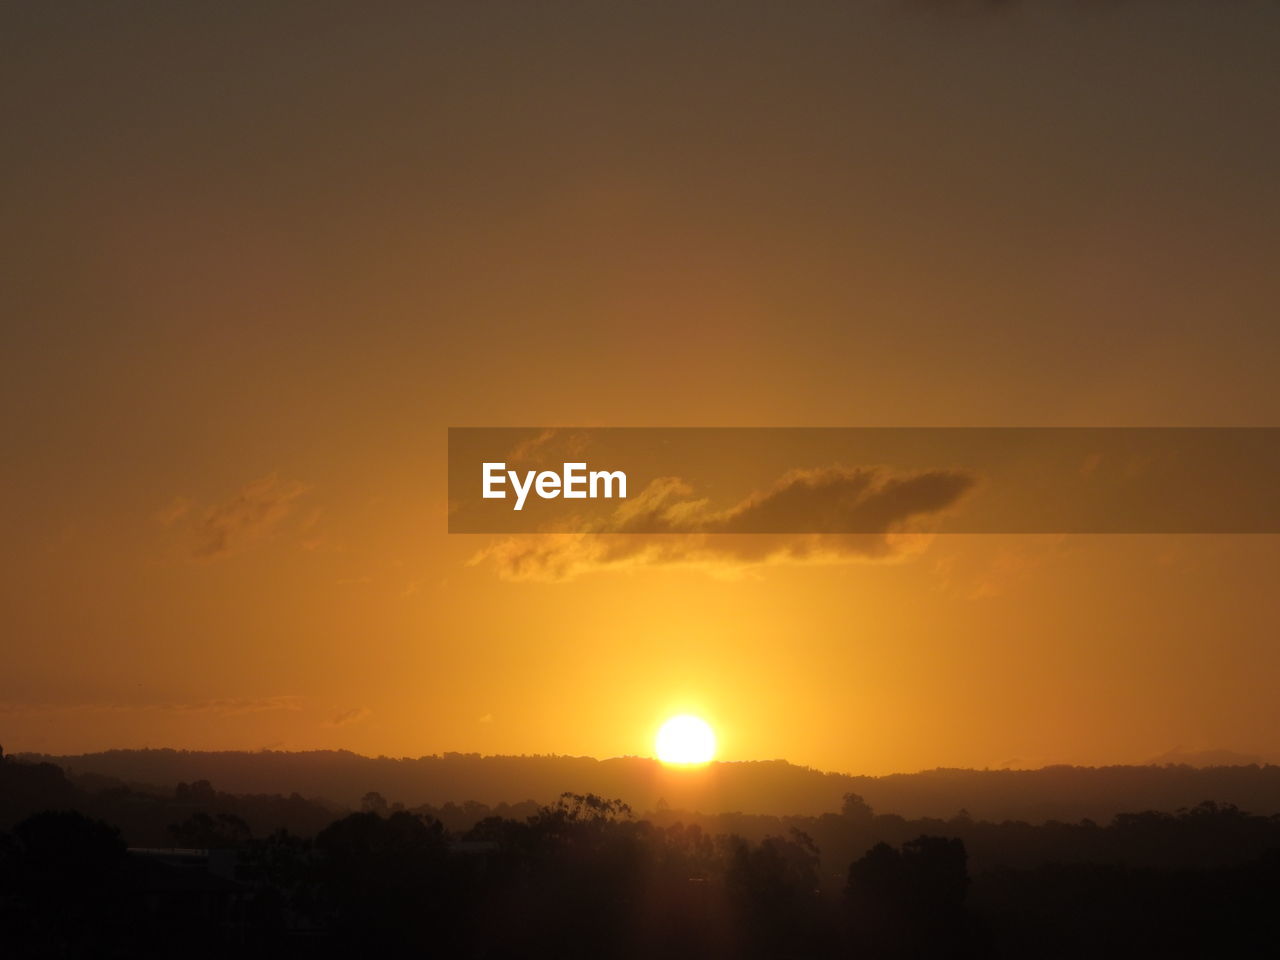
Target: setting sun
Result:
[686, 740]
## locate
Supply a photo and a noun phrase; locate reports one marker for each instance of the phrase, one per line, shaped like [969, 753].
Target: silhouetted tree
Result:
[200, 830]
[774, 890]
[910, 902]
[855, 809]
[199, 792]
[67, 873]
[382, 882]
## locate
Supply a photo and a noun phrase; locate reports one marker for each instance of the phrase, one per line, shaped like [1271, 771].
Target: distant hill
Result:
[1206, 758]
[765, 787]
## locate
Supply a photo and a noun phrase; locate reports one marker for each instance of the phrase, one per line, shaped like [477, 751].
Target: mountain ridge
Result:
[1057, 792]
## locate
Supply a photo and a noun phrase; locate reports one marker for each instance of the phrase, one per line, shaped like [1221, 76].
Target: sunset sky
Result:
[256, 261]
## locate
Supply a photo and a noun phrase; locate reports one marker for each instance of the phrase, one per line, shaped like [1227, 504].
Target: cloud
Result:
[997, 568]
[224, 528]
[176, 510]
[550, 444]
[231, 706]
[348, 717]
[848, 515]
[221, 707]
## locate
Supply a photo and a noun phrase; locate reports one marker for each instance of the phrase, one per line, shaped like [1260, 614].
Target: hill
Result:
[762, 787]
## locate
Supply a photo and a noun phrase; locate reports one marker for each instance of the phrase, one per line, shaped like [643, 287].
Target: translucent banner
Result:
[863, 481]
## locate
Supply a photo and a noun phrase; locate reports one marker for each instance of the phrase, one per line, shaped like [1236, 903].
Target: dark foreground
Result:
[584, 878]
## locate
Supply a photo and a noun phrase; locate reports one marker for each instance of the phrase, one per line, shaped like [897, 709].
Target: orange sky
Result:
[256, 262]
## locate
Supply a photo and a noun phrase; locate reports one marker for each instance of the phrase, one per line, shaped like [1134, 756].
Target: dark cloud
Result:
[831, 500]
[845, 514]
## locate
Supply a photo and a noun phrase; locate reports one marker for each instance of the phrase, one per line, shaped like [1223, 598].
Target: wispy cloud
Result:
[221, 707]
[347, 717]
[175, 510]
[222, 529]
[550, 444]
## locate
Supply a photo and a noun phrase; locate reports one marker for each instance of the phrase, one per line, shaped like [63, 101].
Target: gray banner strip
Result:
[863, 481]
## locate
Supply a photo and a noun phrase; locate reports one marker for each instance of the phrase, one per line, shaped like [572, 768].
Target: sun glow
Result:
[685, 740]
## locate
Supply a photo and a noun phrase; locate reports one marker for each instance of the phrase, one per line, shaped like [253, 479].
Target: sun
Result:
[686, 740]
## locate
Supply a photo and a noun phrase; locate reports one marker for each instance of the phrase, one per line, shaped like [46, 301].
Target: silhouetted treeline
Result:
[144, 815]
[197, 815]
[1208, 834]
[586, 877]
[767, 787]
